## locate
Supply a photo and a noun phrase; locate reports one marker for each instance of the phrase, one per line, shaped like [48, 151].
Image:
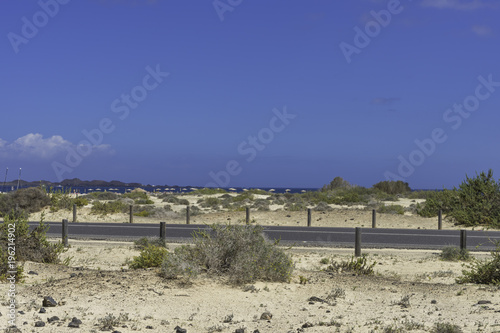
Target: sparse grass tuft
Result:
[483, 272]
[355, 265]
[151, 256]
[446, 328]
[453, 253]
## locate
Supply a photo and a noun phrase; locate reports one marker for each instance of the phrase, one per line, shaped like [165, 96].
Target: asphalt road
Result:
[310, 236]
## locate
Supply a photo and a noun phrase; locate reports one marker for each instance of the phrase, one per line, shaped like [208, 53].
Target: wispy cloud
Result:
[465, 5]
[482, 30]
[35, 146]
[383, 101]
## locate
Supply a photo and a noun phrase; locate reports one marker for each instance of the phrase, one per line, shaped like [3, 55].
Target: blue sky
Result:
[283, 93]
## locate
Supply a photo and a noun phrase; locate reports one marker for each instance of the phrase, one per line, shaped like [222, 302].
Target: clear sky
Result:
[281, 93]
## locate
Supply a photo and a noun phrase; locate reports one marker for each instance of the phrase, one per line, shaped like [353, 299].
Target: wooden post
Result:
[74, 212]
[440, 219]
[308, 217]
[131, 213]
[188, 216]
[357, 242]
[463, 239]
[248, 215]
[374, 218]
[65, 232]
[163, 231]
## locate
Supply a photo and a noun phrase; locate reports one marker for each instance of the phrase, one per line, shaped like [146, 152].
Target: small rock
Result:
[433, 301]
[39, 324]
[49, 302]
[307, 325]
[256, 331]
[20, 312]
[52, 319]
[316, 299]
[180, 330]
[42, 310]
[72, 275]
[240, 330]
[75, 323]
[149, 327]
[32, 273]
[266, 316]
[483, 302]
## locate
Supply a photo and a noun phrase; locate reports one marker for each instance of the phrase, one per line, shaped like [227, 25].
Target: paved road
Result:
[339, 237]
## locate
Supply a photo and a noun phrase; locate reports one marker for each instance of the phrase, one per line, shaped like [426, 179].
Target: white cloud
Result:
[481, 30]
[34, 145]
[464, 5]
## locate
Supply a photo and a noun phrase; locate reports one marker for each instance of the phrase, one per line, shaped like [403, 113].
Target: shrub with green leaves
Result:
[392, 187]
[475, 202]
[144, 242]
[150, 256]
[104, 208]
[483, 272]
[240, 252]
[453, 253]
[29, 200]
[32, 246]
[391, 209]
[357, 265]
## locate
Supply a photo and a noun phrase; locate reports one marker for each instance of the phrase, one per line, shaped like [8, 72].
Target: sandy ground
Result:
[411, 290]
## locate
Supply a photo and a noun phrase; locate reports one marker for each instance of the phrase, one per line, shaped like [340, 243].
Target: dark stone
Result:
[52, 319]
[76, 320]
[256, 331]
[483, 302]
[72, 275]
[180, 330]
[49, 302]
[240, 330]
[316, 299]
[42, 310]
[20, 312]
[149, 327]
[433, 301]
[266, 316]
[39, 324]
[307, 325]
[32, 273]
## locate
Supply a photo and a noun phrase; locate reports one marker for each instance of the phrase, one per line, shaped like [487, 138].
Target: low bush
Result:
[102, 196]
[453, 253]
[446, 328]
[143, 202]
[150, 256]
[104, 208]
[240, 252]
[261, 205]
[355, 265]
[393, 187]
[322, 207]
[136, 195]
[391, 209]
[483, 272]
[144, 242]
[29, 200]
[32, 246]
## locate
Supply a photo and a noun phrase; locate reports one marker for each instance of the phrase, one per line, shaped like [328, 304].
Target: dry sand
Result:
[102, 285]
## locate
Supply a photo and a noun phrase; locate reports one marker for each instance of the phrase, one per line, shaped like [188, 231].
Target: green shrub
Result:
[136, 195]
[32, 246]
[357, 265]
[295, 207]
[193, 211]
[29, 200]
[337, 183]
[104, 208]
[483, 272]
[322, 206]
[144, 202]
[210, 202]
[150, 256]
[446, 328]
[243, 196]
[261, 205]
[143, 213]
[80, 202]
[392, 209]
[182, 262]
[445, 200]
[144, 242]
[453, 253]
[239, 252]
[102, 196]
[392, 187]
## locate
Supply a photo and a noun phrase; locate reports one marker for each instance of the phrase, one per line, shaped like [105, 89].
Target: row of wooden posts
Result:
[247, 220]
[357, 230]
